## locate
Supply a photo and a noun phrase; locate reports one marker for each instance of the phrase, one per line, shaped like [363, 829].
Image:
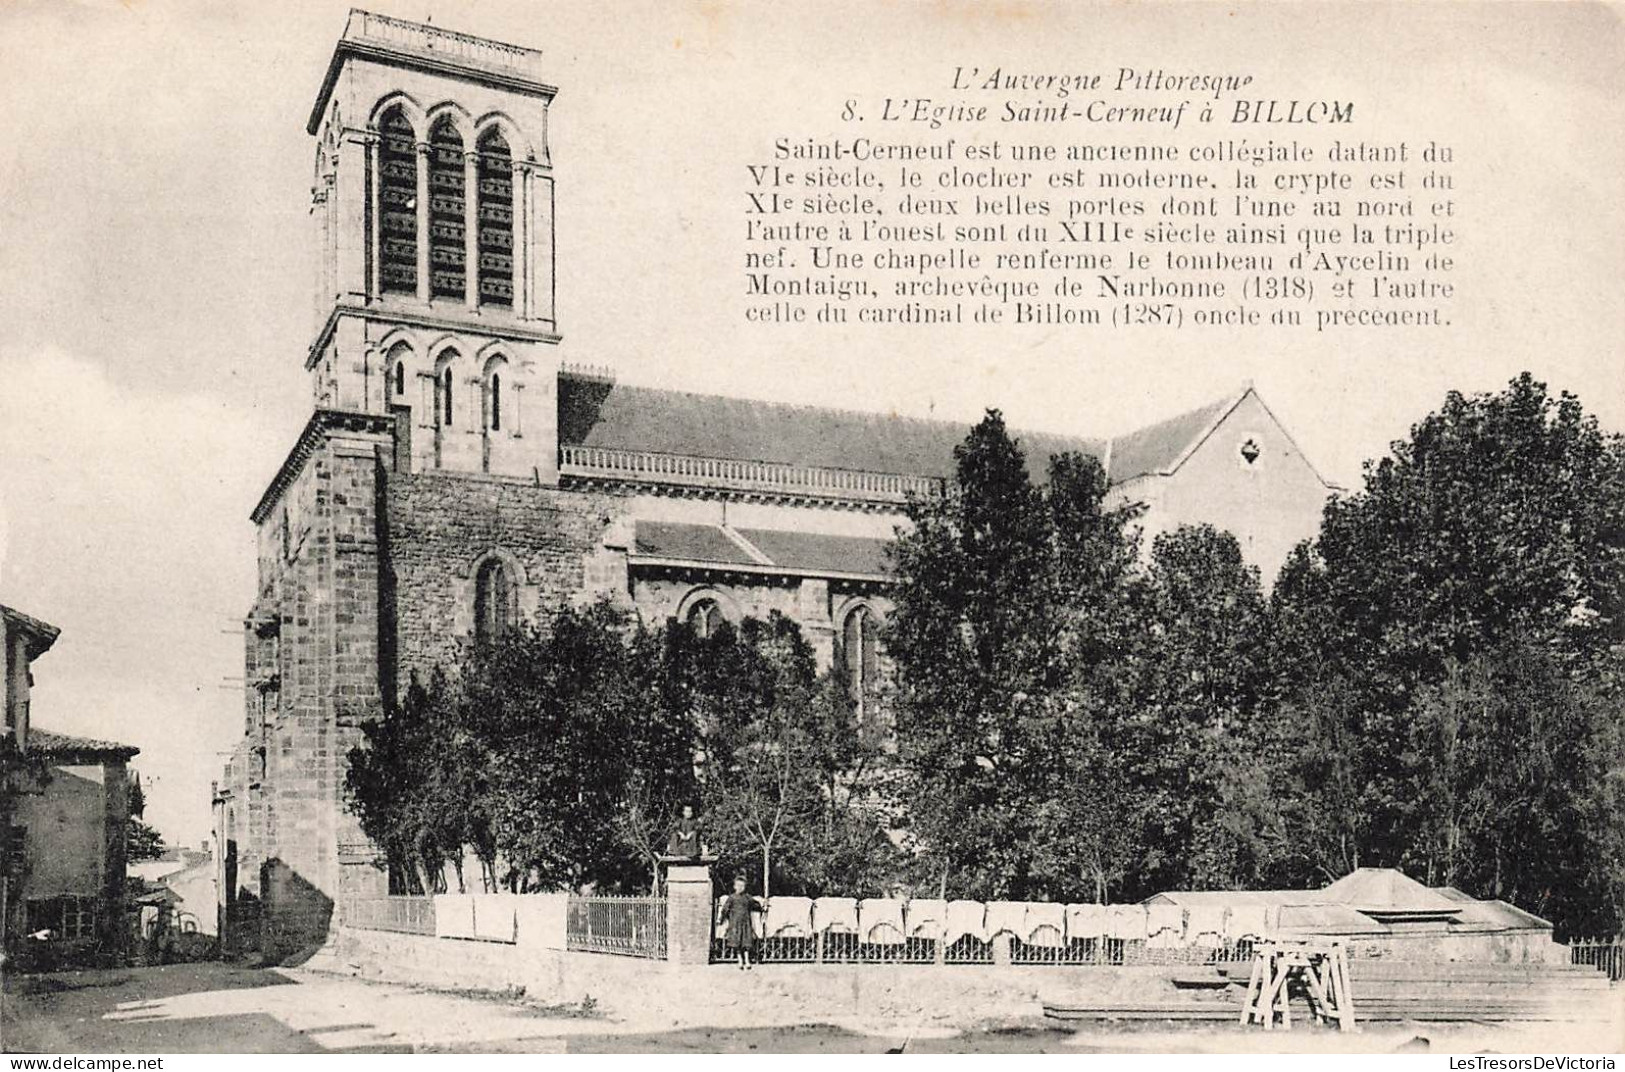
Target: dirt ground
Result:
[224, 1008]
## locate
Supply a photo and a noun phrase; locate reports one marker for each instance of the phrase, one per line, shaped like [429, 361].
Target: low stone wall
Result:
[1502, 947]
[815, 992]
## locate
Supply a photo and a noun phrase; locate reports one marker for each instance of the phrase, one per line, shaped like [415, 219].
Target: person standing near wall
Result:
[738, 912]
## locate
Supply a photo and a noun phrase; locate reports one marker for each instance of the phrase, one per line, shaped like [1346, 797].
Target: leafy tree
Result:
[1447, 642]
[754, 710]
[563, 719]
[1199, 681]
[408, 787]
[142, 842]
[844, 848]
[1504, 750]
[1005, 615]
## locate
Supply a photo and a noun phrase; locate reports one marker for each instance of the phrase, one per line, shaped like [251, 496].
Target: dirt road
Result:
[200, 1008]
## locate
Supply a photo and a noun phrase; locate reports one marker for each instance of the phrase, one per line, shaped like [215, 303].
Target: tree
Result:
[1005, 615]
[411, 785]
[753, 706]
[844, 848]
[142, 842]
[1198, 685]
[661, 747]
[563, 716]
[1455, 631]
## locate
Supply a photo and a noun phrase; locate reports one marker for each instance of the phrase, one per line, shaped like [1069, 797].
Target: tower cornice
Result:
[397, 42]
[322, 423]
[458, 323]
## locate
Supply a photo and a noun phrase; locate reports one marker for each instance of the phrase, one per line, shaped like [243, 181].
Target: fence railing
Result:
[625, 926]
[1604, 954]
[404, 915]
[883, 930]
[838, 947]
[652, 467]
[366, 26]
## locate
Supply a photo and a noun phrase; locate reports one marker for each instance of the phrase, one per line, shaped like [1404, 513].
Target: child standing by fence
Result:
[739, 936]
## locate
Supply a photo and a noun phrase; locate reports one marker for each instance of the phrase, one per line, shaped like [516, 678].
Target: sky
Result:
[155, 279]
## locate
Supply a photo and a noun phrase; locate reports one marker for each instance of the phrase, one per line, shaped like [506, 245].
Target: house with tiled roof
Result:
[66, 821]
[454, 479]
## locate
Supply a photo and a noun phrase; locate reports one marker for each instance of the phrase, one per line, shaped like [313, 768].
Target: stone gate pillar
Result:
[689, 907]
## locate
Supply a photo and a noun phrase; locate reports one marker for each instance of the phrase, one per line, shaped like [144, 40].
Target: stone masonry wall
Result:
[319, 600]
[440, 527]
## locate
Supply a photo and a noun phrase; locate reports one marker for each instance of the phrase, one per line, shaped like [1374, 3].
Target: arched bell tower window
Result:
[860, 657]
[496, 601]
[400, 378]
[496, 402]
[495, 220]
[447, 251]
[398, 202]
[705, 617]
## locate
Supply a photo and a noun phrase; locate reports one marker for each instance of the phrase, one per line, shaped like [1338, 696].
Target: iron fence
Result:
[402, 914]
[840, 947]
[1604, 954]
[1119, 952]
[626, 926]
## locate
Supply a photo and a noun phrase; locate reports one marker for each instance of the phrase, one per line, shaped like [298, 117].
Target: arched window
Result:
[496, 220]
[444, 377]
[398, 202]
[396, 363]
[496, 601]
[704, 617]
[860, 657]
[447, 252]
[496, 402]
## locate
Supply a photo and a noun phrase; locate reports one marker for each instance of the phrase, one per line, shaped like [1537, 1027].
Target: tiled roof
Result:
[690, 543]
[760, 549]
[1157, 447]
[41, 635]
[594, 412]
[1492, 914]
[817, 553]
[1385, 890]
[64, 746]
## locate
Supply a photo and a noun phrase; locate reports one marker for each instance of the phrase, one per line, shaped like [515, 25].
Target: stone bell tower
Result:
[433, 356]
[432, 207]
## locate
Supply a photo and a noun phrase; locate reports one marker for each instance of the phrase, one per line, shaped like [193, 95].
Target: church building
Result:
[455, 479]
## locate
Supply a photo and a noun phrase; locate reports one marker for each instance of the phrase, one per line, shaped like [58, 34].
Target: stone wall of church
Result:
[442, 526]
[312, 659]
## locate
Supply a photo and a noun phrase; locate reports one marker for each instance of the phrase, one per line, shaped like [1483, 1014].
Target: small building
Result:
[186, 881]
[66, 819]
[1381, 912]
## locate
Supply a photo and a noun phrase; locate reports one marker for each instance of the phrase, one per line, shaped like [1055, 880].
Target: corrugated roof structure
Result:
[1369, 900]
[1221, 898]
